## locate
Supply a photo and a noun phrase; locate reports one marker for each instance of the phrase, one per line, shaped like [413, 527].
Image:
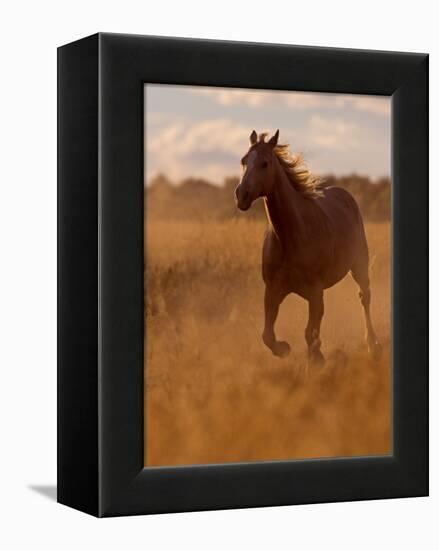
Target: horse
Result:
[315, 237]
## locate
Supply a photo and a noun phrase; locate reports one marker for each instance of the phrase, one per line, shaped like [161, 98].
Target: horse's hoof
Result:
[375, 351]
[281, 349]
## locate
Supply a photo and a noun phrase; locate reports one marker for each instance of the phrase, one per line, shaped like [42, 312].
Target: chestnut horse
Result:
[315, 237]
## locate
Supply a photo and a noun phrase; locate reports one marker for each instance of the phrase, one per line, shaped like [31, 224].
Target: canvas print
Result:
[267, 275]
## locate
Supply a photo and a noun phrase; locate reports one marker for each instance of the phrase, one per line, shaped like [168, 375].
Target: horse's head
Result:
[258, 170]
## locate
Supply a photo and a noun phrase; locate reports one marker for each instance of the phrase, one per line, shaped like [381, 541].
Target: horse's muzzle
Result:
[243, 207]
[243, 201]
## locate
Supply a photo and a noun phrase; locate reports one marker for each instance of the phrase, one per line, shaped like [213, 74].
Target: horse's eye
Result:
[264, 164]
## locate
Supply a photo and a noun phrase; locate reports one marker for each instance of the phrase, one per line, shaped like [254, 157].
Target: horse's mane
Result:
[297, 172]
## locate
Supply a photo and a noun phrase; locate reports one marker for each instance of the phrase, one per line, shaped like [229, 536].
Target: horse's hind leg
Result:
[274, 294]
[312, 331]
[360, 273]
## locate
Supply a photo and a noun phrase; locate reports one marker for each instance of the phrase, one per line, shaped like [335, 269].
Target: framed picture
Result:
[243, 275]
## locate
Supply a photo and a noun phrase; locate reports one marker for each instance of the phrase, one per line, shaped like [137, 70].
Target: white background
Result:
[30, 33]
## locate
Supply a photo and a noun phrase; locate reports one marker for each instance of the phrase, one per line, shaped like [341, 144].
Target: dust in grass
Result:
[214, 393]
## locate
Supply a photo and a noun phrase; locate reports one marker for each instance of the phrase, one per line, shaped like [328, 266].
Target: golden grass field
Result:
[214, 393]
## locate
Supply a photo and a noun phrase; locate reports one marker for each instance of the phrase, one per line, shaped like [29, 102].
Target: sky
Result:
[203, 132]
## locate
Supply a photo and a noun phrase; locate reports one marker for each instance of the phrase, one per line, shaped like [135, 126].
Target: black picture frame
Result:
[100, 274]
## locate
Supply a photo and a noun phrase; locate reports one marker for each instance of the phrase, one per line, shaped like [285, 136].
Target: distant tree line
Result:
[196, 198]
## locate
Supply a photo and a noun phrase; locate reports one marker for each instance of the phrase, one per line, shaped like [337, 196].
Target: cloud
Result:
[375, 105]
[333, 134]
[257, 98]
[210, 149]
[187, 136]
[304, 101]
[337, 145]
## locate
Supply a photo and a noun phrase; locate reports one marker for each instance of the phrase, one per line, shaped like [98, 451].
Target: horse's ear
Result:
[253, 138]
[273, 140]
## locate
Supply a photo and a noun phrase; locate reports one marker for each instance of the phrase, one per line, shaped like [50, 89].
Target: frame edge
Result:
[77, 387]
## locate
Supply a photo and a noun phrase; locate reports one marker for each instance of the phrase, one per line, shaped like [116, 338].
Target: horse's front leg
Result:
[274, 295]
[312, 331]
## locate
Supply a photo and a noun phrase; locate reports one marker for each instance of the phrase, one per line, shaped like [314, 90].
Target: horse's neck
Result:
[285, 208]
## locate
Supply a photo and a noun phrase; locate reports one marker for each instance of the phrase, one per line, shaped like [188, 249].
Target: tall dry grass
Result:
[213, 391]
